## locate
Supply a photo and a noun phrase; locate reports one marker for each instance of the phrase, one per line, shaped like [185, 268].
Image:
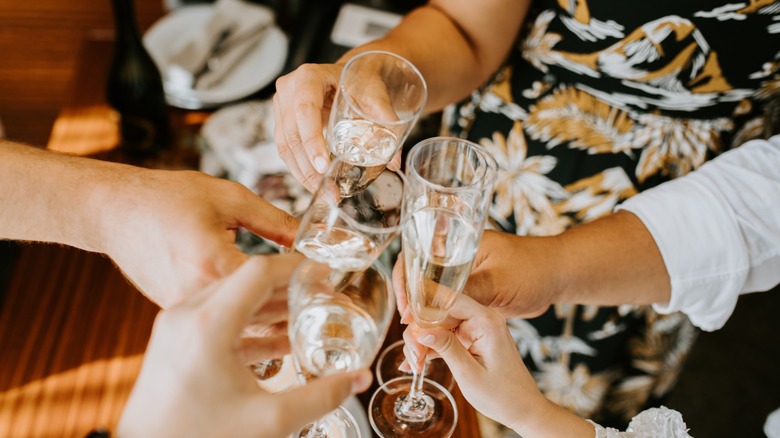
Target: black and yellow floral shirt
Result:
[603, 99]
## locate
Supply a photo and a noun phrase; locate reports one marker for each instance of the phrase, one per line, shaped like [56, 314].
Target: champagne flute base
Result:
[385, 401]
[337, 424]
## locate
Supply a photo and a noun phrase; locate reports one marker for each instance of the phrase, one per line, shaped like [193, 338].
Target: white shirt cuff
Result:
[705, 279]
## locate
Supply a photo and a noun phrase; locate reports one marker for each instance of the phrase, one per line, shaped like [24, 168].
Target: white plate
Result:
[258, 69]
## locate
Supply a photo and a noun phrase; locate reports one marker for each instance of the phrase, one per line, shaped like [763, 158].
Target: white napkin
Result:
[240, 26]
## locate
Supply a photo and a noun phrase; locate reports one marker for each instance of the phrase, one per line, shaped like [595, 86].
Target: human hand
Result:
[511, 274]
[174, 232]
[303, 104]
[484, 360]
[515, 275]
[194, 381]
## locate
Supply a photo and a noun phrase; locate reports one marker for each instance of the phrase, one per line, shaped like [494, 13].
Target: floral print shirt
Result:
[603, 99]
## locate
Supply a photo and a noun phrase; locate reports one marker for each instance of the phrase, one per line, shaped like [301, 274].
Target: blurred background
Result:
[730, 382]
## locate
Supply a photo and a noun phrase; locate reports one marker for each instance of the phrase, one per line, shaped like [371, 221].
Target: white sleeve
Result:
[718, 230]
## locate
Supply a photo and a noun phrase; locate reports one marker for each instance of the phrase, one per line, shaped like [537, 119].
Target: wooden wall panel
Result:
[39, 43]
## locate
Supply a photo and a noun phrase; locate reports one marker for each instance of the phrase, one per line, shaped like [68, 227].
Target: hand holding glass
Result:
[446, 201]
[334, 330]
[379, 99]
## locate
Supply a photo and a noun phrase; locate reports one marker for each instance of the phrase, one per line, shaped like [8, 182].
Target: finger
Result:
[239, 296]
[459, 360]
[311, 83]
[254, 350]
[395, 163]
[302, 405]
[285, 151]
[465, 308]
[399, 287]
[273, 312]
[266, 220]
[413, 350]
[308, 115]
[266, 331]
[309, 176]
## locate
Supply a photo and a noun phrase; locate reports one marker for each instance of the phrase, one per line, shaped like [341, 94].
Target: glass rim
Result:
[351, 103]
[351, 221]
[383, 272]
[395, 380]
[490, 164]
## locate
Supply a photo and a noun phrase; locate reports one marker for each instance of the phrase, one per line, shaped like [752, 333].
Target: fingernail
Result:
[405, 319]
[321, 164]
[427, 340]
[361, 382]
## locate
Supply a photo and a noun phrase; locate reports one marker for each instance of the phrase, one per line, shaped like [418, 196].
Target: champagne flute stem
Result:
[417, 382]
[416, 406]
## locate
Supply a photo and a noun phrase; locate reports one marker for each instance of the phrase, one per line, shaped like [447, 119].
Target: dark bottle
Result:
[135, 87]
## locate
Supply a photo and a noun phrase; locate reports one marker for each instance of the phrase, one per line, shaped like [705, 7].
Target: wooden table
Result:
[72, 329]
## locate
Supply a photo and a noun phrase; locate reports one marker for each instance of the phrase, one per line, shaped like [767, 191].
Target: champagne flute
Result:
[379, 99]
[393, 356]
[446, 202]
[349, 233]
[337, 329]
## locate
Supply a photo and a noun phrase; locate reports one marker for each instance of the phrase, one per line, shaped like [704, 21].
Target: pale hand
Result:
[490, 373]
[194, 381]
[302, 106]
[174, 232]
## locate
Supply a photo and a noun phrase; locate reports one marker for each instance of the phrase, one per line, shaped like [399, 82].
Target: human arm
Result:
[490, 373]
[194, 381]
[522, 276]
[694, 243]
[456, 45]
[170, 232]
[484, 360]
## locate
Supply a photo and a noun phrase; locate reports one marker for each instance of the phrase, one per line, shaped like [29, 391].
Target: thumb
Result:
[305, 404]
[447, 345]
[266, 220]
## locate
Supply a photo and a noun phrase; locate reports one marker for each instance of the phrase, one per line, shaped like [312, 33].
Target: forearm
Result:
[51, 197]
[611, 261]
[549, 420]
[456, 45]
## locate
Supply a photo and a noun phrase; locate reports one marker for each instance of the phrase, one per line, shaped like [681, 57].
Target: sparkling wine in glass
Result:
[380, 97]
[446, 201]
[439, 246]
[337, 328]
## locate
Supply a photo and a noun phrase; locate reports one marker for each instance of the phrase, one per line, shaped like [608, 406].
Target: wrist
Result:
[549, 420]
[544, 273]
[558, 272]
[108, 204]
